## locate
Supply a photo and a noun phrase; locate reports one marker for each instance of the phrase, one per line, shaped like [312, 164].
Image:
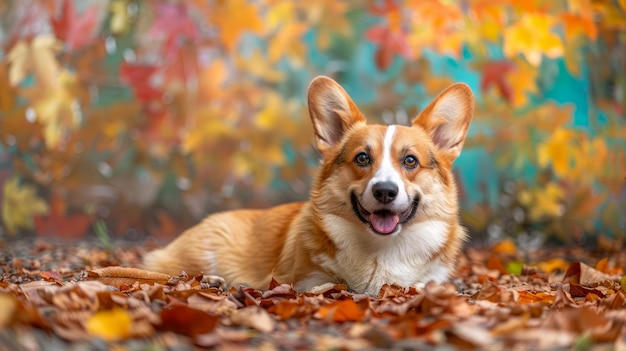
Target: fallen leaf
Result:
[116, 276]
[253, 317]
[110, 325]
[577, 290]
[603, 266]
[506, 247]
[341, 311]
[8, 306]
[553, 264]
[580, 273]
[188, 321]
[515, 267]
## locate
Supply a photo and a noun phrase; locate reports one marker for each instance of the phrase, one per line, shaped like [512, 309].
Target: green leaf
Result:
[514, 267]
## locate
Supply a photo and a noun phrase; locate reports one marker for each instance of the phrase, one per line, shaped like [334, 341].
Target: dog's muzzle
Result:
[384, 221]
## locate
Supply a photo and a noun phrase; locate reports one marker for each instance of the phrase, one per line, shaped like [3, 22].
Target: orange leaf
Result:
[495, 263]
[526, 297]
[341, 311]
[603, 266]
[235, 17]
[552, 265]
[506, 247]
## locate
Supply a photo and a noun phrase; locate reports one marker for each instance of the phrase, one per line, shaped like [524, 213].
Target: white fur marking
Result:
[387, 172]
[367, 262]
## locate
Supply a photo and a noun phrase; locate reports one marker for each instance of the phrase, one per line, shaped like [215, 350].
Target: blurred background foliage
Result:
[140, 117]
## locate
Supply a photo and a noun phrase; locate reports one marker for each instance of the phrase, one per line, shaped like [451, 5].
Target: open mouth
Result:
[383, 222]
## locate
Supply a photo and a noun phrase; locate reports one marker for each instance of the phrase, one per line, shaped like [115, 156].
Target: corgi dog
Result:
[383, 207]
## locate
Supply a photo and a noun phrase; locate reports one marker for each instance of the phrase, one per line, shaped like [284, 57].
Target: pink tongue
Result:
[384, 223]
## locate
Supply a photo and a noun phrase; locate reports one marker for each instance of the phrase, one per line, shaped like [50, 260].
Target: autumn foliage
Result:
[497, 300]
[146, 115]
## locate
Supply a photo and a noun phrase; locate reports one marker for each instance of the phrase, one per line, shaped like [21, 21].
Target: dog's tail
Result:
[161, 260]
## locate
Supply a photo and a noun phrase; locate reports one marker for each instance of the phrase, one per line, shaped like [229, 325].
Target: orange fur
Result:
[335, 237]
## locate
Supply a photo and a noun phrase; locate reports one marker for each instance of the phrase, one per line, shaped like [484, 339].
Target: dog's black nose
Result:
[385, 192]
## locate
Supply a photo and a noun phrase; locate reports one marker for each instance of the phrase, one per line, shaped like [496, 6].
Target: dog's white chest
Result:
[366, 261]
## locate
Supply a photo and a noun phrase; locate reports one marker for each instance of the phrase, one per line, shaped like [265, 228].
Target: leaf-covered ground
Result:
[57, 296]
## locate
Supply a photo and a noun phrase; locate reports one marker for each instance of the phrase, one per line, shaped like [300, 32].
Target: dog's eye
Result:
[362, 159]
[410, 161]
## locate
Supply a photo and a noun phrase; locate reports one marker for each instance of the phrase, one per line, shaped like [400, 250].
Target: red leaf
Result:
[187, 321]
[494, 73]
[140, 79]
[390, 43]
[76, 30]
[173, 26]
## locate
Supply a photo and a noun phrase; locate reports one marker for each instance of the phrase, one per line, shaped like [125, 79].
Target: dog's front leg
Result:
[316, 282]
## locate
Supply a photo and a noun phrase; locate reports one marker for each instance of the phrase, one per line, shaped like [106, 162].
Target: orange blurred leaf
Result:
[506, 247]
[341, 311]
[234, 18]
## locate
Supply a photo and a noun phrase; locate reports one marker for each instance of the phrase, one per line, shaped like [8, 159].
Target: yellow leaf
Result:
[19, 205]
[37, 56]
[276, 113]
[8, 306]
[532, 37]
[56, 109]
[120, 18]
[543, 202]
[287, 42]
[112, 325]
[552, 265]
[557, 151]
[259, 66]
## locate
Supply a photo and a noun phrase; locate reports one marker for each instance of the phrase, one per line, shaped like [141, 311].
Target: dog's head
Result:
[387, 177]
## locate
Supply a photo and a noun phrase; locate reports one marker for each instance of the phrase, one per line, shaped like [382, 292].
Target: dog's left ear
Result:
[447, 118]
[332, 112]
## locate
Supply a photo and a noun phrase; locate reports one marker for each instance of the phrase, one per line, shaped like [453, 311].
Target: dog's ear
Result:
[332, 112]
[447, 118]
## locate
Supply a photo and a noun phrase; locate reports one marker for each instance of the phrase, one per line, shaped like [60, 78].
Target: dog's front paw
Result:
[213, 281]
[320, 289]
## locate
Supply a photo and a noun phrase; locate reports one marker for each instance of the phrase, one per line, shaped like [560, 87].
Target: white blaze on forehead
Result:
[386, 172]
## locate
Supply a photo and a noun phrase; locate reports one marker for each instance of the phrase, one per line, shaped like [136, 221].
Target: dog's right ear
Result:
[332, 112]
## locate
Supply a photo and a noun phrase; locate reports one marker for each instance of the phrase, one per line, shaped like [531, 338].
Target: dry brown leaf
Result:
[253, 317]
[188, 321]
[563, 299]
[392, 290]
[467, 335]
[580, 273]
[117, 276]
